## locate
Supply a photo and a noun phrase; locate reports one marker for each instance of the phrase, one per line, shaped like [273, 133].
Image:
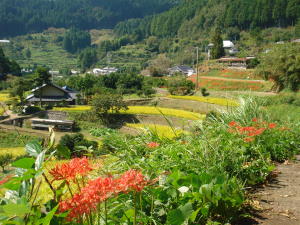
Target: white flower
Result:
[183, 189]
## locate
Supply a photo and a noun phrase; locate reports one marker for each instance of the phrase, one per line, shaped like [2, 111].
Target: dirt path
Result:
[280, 199]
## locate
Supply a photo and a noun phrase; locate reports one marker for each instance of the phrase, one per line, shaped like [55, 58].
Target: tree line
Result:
[194, 16]
[8, 66]
[29, 16]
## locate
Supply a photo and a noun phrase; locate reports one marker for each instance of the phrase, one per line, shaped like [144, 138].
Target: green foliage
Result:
[74, 143]
[87, 58]
[282, 65]
[104, 131]
[19, 87]
[13, 139]
[75, 40]
[34, 16]
[102, 104]
[5, 160]
[7, 66]
[180, 86]
[193, 17]
[217, 50]
[42, 76]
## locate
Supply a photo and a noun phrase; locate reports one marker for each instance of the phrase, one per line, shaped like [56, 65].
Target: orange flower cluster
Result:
[99, 190]
[153, 145]
[250, 132]
[68, 171]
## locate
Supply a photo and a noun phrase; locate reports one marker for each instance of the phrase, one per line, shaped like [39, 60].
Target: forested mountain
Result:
[25, 16]
[196, 16]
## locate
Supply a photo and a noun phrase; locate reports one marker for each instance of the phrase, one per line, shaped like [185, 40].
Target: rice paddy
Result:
[159, 130]
[147, 110]
[216, 101]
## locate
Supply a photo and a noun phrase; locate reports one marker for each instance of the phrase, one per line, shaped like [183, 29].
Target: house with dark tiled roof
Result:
[186, 70]
[52, 94]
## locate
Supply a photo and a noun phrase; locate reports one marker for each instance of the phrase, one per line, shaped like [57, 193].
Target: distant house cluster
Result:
[185, 70]
[104, 71]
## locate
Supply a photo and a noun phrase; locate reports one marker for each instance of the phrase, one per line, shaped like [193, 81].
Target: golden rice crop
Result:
[151, 110]
[15, 151]
[75, 108]
[4, 97]
[161, 130]
[165, 111]
[217, 101]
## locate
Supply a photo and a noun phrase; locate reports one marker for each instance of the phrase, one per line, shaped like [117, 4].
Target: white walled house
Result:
[104, 71]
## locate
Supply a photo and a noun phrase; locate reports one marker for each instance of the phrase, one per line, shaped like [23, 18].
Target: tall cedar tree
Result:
[217, 50]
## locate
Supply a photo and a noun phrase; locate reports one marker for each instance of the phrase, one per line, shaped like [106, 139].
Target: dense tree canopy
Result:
[25, 16]
[8, 66]
[75, 40]
[200, 15]
[282, 65]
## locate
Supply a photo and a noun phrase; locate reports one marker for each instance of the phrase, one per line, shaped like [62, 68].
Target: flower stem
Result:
[135, 207]
[105, 210]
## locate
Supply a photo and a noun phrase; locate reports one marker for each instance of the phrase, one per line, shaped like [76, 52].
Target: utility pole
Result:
[197, 70]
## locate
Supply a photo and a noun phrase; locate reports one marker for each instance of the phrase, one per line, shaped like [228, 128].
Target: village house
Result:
[52, 94]
[104, 71]
[185, 70]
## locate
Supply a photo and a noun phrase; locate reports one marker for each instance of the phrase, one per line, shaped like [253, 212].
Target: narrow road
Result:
[193, 77]
[280, 199]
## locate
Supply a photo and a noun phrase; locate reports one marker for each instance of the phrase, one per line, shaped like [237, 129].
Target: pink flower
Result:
[153, 144]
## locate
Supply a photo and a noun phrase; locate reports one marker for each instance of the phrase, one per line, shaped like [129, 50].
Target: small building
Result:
[5, 41]
[235, 62]
[296, 41]
[104, 71]
[61, 125]
[52, 94]
[185, 70]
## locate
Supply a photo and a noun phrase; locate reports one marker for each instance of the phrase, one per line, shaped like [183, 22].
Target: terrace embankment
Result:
[280, 199]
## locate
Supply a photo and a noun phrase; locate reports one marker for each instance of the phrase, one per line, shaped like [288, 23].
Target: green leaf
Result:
[19, 210]
[48, 218]
[180, 215]
[39, 160]
[63, 152]
[34, 148]
[25, 163]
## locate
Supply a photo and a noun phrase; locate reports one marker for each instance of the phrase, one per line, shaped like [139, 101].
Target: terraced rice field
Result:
[216, 101]
[15, 151]
[150, 110]
[159, 130]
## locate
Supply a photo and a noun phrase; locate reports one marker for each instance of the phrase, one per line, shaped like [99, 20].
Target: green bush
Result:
[5, 160]
[75, 142]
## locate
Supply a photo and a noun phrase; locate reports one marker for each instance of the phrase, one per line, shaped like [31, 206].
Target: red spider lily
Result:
[232, 124]
[86, 201]
[131, 180]
[68, 171]
[5, 179]
[99, 190]
[153, 144]
[248, 139]
[272, 125]
[254, 120]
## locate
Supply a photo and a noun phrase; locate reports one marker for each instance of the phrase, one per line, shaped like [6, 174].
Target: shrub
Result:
[5, 160]
[73, 142]
[180, 86]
